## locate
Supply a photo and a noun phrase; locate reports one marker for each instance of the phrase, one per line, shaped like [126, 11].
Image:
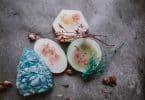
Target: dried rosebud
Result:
[69, 71]
[32, 36]
[113, 80]
[7, 84]
[106, 81]
[67, 98]
[2, 88]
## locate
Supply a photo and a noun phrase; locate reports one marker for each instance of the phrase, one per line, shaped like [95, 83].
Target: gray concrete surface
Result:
[120, 20]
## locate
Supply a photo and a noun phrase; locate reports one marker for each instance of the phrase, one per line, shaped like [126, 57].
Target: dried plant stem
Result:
[85, 35]
[98, 35]
[93, 36]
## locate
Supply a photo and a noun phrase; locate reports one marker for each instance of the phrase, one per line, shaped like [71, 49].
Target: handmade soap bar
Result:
[33, 75]
[69, 24]
[52, 54]
[81, 50]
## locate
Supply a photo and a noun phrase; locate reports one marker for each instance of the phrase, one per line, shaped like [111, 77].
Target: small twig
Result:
[87, 35]
[77, 48]
[103, 42]
[93, 36]
[65, 85]
[64, 32]
[62, 27]
[98, 35]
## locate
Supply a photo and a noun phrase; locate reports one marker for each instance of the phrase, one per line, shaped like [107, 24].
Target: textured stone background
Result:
[120, 20]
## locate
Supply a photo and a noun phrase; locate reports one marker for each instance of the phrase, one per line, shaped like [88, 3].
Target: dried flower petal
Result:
[69, 71]
[7, 84]
[113, 80]
[32, 36]
[60, 95]
[106, 81]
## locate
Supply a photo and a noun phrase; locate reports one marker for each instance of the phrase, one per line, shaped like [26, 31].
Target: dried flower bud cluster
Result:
[111, 80]
[65, 38]
[69, 71]
[5, 85]
[32, 36]
[69, 36]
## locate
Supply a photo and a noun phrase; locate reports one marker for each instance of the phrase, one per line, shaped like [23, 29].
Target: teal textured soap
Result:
[33, 75]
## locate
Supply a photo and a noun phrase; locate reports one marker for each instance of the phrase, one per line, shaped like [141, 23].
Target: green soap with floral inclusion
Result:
[94, 69]
[80, 51]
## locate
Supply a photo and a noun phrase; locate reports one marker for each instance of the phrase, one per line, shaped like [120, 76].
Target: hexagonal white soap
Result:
[67, 25]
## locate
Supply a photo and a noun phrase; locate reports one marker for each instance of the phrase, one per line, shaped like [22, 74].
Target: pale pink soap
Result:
[69, 24]
[52, 54]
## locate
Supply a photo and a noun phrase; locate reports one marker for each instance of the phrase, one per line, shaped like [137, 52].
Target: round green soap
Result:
[81, 50]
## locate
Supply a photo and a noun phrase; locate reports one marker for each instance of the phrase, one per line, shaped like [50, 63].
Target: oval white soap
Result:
[52, 54]
[81, 50]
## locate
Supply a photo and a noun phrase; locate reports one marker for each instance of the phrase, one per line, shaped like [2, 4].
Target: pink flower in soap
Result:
[76, 17]
[50, 52]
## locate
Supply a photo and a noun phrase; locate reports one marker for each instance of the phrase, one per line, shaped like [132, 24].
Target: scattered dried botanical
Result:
[111, 80]
[7, 84]
[59, 95]
[65, 85]
[32, 36]
[69, 71]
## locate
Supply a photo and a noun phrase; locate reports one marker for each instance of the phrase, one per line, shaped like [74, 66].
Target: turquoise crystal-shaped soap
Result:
[33, 75]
